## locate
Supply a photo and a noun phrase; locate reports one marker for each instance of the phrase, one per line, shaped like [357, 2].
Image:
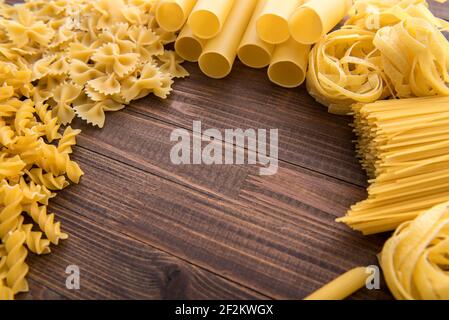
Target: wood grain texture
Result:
[143, 228]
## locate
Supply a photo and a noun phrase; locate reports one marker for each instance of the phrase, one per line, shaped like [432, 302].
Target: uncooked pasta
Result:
[404, 147]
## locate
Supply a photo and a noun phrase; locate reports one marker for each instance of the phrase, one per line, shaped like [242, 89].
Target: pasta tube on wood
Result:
[220, 52]
[272, 23]
[316, 18]
[253, 51]
[171, 15]
[342, 287]
[188, 46]
[289, 64]
[209, 16]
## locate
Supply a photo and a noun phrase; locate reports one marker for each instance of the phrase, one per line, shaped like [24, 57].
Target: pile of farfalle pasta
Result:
[58, 60]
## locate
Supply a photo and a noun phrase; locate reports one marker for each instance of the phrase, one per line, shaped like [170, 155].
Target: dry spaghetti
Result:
[404, 147]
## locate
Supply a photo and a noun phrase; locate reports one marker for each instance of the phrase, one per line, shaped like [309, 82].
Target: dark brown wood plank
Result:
[441, 10]
[114, 266]
[280, 251]
[308, 136]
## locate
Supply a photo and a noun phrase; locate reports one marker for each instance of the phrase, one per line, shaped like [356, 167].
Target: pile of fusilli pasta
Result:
[60, 59]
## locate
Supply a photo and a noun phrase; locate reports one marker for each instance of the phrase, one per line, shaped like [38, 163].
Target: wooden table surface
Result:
[143, 228]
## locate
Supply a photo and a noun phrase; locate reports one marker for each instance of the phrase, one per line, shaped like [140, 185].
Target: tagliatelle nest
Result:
[388, 48]
[415, 259]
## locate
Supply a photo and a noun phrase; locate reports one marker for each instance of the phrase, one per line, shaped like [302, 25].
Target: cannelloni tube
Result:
[220, 52]
[253, 51]
[188, 46]
[171, 15]
[342, 287]
[316, 18]
[288, 66]
[209, 16]
[272, 23]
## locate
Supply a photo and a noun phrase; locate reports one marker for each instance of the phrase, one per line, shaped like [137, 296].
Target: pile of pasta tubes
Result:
[261, 33]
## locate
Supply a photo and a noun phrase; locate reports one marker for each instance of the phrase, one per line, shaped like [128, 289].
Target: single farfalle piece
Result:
[42, 66]
[142, 83]
[166, 86]
[27, 30]
[81, 72]
[64, 33]
[112, 60]
[117, 34]
[107, 84]
[94, 111]
[415, 259]
[110, 12]
[64, 95]
[146, 43]
[171, 63]
[53, 65]
[80, 51]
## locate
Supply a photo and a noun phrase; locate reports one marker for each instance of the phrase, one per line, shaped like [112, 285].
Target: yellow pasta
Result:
[170, 63]
[415, 259]
[403, 146]
[288, 66]
[253, 51]
[17, 269]
[188, 46]
[415, 58]
[85, 48]
[209, 16]
[30, 167]
[344, 68]
[314, 19]
[172, 14]
[219, 53]
[342, 287]
[272, 23]
[402, 53]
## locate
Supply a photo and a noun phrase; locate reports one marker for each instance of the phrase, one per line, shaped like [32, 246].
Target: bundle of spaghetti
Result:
[392, 48]
[404, 147]
[415, 260]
